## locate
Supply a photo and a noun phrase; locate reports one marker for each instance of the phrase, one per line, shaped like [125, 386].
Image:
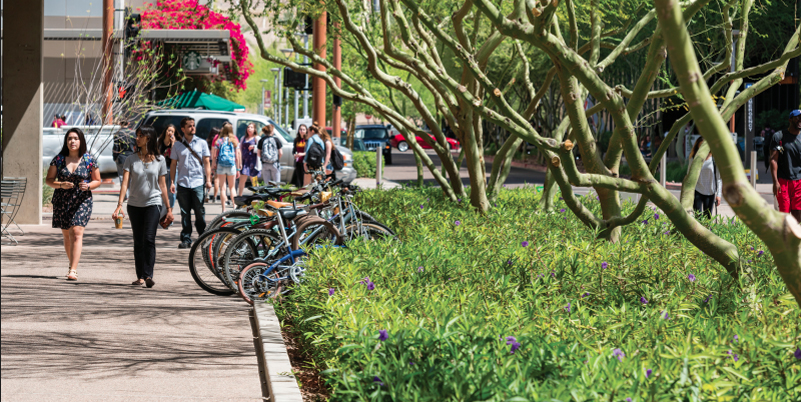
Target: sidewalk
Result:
[101, 339]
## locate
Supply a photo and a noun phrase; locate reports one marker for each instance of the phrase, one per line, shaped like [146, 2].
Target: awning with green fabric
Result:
[200, 100]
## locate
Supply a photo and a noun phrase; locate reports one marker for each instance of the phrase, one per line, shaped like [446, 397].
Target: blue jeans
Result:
[191, 199]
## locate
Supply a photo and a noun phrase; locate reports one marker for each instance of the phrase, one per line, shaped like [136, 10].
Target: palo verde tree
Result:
[407, 38]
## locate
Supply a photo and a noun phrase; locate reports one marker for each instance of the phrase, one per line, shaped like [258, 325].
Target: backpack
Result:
[315, 156]
[269, 152]
[227, 155]
[337, 160]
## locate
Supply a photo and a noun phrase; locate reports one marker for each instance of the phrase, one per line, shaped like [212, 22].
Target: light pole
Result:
[261, 107]
[305, 92]
[288, 54]
[275, 88]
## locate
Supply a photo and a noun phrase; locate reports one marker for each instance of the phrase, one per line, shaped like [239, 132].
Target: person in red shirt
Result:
[785, 166]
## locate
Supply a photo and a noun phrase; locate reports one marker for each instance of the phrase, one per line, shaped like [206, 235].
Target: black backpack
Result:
[337, 160]
[315, 156]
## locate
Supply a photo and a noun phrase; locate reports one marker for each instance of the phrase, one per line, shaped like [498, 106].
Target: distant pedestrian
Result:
[708, 187]
[57, 122]
[226, 160]
[74, 174]
[329, 148]
[124, 146]
[299, 151]
[146, 172]
[190, 170]
[270, 152]
[785, 166]
[166, 141]
[214, 135]
[316, 158]
[249, 157]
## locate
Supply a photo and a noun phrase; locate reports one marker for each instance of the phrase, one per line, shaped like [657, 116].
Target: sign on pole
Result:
[267, 99]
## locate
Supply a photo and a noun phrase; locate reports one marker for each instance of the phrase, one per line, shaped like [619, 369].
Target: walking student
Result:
[785, 166]
[165, 149]
[299, 151]
[707, 189]
[190, 170]
[146, 177]
[329, 148]
[124, 146]
[249, 157]
[226, 161]
[74, 174]
[270, 152]
[315, 153]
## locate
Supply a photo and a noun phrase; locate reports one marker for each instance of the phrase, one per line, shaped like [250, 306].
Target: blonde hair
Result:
[228, 132]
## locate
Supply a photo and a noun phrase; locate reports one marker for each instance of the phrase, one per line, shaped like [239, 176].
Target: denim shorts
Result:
[227, 170]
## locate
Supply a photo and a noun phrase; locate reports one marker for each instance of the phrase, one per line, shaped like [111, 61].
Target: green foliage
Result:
[47, 191]
[364, 163]
[459, 283]
[603, 143]
[775, 119]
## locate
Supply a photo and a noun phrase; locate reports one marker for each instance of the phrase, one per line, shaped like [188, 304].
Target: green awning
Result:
[199, 100]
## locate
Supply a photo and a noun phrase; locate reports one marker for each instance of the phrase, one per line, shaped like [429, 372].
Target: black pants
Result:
[297, 175]
[191, 200]
[703, 204]
[144, 221]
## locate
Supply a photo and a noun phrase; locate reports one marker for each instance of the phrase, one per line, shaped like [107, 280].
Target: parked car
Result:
[206, 119]
[98, 140]
[399, 142]
[374, 136]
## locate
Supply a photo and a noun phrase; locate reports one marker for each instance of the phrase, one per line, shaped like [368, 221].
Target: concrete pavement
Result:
[102, 339]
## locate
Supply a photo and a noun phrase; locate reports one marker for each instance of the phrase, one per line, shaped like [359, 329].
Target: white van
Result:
[205, 120]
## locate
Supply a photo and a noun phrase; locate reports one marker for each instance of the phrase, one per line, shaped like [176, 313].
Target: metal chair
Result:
[12, 190]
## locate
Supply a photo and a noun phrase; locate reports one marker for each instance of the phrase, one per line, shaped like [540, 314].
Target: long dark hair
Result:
[163, 135]
[152, 146]
[215, 131]
[696, 147]
[297, 136]
[65, 151]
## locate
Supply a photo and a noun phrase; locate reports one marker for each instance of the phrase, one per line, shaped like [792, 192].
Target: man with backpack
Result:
[785, 166]
[270, 152]
[190, 170]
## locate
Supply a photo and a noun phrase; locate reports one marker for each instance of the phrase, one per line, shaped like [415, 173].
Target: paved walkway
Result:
[101, 339]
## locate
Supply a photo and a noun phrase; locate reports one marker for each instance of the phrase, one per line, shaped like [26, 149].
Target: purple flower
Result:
[508, 262]
[797, 353]
[331, 291]
[382, 335]
[734, 356]
[421, 206]
[667, 233]
[370, 286]
[553, 274]
[562, 210]
[628, 399]
[645, 222]
[736, 338]
[420, 269]
[760, 252]
[665, 315]
[643, 300]
[708, 298]
[752, 248]
[656, 216]
[567, 308]
[524, 244]
[648, 373]
[515, 346]
[691, 277]
[560, 198]
[459, 200]
[457, 223]
[585, 294]
[365, 281]
[510, 340]
[619, 354]
[378, 380]
[604, 265]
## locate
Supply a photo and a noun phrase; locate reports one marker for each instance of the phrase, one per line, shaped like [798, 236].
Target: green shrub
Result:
[47, 191]
[364, 163]
[649, 318]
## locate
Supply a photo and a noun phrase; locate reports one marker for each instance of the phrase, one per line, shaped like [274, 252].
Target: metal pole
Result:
[261, 106]
[318, 97]
[280, 94]
[286, 108]
[753, 169]
[306, 92]
[663, 170]
[378, 155]
[108, 28]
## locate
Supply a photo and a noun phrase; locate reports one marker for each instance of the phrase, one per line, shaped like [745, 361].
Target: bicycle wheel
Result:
[315, 231]
[235, 213]
[370, 231]
[244, 249]
[202, 262]
[254, 286]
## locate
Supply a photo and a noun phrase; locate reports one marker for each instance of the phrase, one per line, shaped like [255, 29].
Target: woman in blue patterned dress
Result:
[249, 157]
[74, 174]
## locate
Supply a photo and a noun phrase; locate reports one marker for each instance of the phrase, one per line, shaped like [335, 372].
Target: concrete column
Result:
[23, 41]
[318, 95]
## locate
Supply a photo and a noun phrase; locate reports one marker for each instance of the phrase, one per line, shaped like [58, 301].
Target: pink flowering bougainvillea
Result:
[188, 14]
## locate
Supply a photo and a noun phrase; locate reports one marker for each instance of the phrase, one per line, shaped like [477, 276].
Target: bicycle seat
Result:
[276, 204]
[290, 213]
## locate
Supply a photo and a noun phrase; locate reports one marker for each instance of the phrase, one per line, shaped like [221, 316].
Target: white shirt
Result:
[709, 182]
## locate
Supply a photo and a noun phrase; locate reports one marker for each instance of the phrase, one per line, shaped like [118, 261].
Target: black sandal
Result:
[149, 282]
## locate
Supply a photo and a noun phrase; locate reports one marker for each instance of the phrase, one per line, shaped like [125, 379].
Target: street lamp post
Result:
[288, 54]
[275, 88]
[261, 107]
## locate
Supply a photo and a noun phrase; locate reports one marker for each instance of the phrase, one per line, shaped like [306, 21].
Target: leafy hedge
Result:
[364, 163]
[520, 305]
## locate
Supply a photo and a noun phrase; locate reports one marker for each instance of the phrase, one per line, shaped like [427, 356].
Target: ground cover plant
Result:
[525, 305]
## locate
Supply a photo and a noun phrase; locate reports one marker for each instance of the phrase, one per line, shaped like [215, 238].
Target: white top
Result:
[143, 180]
[709, 182]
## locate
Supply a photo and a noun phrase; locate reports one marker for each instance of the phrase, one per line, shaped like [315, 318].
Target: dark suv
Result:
[374, 135]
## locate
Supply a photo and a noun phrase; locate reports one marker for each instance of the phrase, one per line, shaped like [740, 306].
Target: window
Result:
[203, 126]
[242, 127]
[371, 133]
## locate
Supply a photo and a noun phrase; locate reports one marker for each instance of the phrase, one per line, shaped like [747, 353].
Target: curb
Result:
[278, 384]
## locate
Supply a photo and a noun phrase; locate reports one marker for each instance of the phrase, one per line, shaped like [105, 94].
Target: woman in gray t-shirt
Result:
[145, 179]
